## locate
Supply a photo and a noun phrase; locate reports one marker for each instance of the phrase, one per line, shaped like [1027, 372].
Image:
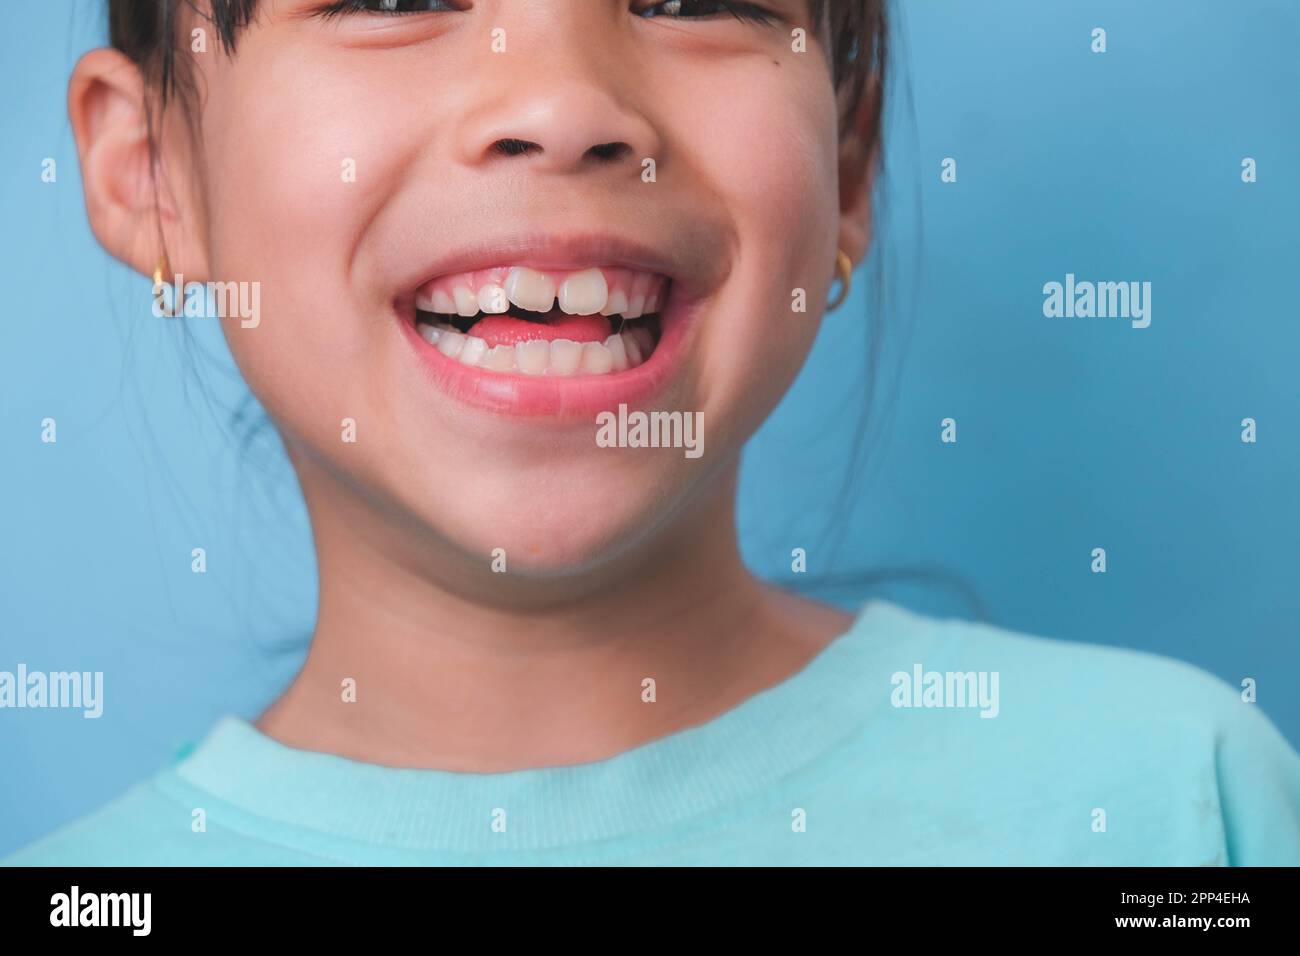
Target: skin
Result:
[623, 563]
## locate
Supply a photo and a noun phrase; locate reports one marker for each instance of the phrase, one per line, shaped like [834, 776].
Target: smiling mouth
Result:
[519, 320]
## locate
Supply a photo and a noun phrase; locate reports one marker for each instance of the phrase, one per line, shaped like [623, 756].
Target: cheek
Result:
[317, 154]
[784, 179]
[781, 190]
[293, 189]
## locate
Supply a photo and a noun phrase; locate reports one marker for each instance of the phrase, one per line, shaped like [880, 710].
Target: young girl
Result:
[528, 276]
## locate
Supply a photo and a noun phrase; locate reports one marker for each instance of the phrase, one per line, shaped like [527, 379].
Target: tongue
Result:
[507, 330]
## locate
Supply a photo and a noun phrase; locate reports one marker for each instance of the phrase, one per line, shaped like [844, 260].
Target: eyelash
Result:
[740, 9]
[343, 8]
[749, 12]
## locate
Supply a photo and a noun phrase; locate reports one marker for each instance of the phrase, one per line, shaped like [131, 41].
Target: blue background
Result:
[1072, 433]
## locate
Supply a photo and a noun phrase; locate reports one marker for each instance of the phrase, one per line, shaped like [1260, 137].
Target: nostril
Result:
[515, 147]
[601, 152]
[607, 152]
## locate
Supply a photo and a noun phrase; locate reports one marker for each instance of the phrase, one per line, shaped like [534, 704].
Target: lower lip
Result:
[559, 397]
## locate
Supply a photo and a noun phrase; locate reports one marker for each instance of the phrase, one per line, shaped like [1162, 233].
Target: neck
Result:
[453, 678]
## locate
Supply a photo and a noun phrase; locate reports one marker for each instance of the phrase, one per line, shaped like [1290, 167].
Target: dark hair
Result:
[147, 32]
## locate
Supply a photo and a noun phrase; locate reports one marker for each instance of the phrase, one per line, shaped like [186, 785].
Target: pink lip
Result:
[561, 398]
[573, 252]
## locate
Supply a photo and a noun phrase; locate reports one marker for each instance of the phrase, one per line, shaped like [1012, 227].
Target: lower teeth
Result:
[619, 352]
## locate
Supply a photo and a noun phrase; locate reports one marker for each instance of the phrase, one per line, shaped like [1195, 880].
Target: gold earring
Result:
[844, 273]
[161, 288]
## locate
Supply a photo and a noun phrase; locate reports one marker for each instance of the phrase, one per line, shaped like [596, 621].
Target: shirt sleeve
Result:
[1259, 789]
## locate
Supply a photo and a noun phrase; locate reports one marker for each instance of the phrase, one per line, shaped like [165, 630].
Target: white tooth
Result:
[466, 301]
[596, 359]
[644, 340]
[492, 299]
[565, 356]
[652, 302]
[617, 351]
[430, 333]
[659, 293]
[533, 356]
[450, 344]
[446, 327]
[530, 289]
[634, 356]
[635, 305]
[584, 293]
[500, 358]
[616, 304]
[474, 350]
[441, 302]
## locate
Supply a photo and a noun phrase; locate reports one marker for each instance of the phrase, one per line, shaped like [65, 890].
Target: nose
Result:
[565, 120]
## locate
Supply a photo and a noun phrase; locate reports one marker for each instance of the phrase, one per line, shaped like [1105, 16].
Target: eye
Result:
[341, 8]
[707, 10]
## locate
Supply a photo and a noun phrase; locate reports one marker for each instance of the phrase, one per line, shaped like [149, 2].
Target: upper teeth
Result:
[530, 290]
[492, 299]
[607, 291]
[584, 293]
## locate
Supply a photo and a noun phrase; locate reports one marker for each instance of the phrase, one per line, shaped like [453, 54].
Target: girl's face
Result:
[379, 174]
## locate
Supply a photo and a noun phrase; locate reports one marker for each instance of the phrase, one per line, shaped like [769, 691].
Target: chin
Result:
[549, 538]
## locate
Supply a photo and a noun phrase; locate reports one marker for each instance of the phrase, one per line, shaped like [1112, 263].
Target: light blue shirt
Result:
[907, 740]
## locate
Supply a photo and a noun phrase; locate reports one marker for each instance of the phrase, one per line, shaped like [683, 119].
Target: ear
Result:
[133, 206]
[859, 150]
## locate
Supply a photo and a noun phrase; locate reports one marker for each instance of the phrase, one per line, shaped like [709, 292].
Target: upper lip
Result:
[691, 272]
